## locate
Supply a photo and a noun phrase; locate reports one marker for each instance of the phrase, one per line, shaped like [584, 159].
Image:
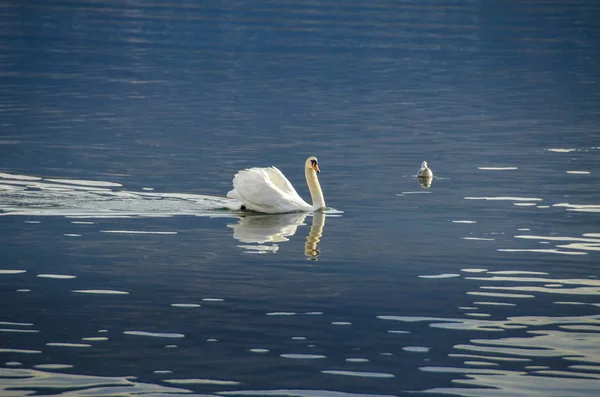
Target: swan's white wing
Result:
[266, 190]
[280, 181]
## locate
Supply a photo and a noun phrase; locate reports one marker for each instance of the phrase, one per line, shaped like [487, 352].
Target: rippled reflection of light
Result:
[299, 356]
[28, 381]
[154, 334]
[358, 374]
[201, 382]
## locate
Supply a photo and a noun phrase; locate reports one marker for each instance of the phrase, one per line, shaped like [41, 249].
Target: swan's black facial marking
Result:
[243, 207]
[315, 165]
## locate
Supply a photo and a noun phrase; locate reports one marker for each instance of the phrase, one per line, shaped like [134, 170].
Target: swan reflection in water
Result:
[425, 181]
[261, 233]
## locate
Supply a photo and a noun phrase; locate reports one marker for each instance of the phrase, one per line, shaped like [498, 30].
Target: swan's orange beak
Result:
[315, 166]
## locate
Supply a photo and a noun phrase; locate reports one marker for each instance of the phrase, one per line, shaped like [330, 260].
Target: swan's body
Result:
[425, 171]
[268, 190]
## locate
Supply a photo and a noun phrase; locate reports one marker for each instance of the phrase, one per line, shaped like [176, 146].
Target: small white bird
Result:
[425, 172]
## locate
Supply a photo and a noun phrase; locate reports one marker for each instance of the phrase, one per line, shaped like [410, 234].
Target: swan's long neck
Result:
[315, 189]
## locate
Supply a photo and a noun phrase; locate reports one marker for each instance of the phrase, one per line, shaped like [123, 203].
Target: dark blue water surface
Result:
[123, 123]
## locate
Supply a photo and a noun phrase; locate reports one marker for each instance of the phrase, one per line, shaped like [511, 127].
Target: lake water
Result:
[123, 122]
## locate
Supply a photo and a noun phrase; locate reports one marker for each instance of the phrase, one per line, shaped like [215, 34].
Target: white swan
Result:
[268, 190]
[425, 172]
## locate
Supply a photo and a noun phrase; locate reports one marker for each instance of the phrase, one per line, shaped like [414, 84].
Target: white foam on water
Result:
[478, 238]
[281, 314]
[100, 291]
[162, 371]
[298, 338]
[494, 303]
[201, 382]
[504, 198]
[584, 243]
[341, 323]
[493, 358]
[185, 305]
[514, 272]
[416, 349]
[560, 150]
[63, 384]
[358, 374]
[11, 271]
[302, 356]
[525, 204]
[214, 300]
[393, 331]
[95, 338]
[19, 330]
[67, 344]
[56, 276]
[545, 251]
[33, 222]
[32, 196]
[579, 207]
[473, 270]
[480, 363]
[16, 324]
[357, 360]
[594, 368]
[19, 177]
[84, 182]
[24, 290]
[259, 351]
[464, 221]
[72, 235]
[500, 295]
[52, 366]
[443, 275]
[497, 168]
[313, 313]
[20, 351]
[299, 393]
[83, 223]
[578, 172]
[417, 192]
[154, 334]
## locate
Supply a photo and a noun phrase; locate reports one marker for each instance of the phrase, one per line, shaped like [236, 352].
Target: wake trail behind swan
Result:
[27, 195]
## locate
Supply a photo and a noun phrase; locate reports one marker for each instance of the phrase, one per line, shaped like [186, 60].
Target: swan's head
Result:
[312, 163]
[424, 165]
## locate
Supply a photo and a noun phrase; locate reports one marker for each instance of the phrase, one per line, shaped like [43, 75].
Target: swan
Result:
[268, 190]
[425, 172]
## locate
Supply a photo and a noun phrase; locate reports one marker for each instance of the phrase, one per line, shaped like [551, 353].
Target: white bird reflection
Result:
[261, 233]
[425, 181]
